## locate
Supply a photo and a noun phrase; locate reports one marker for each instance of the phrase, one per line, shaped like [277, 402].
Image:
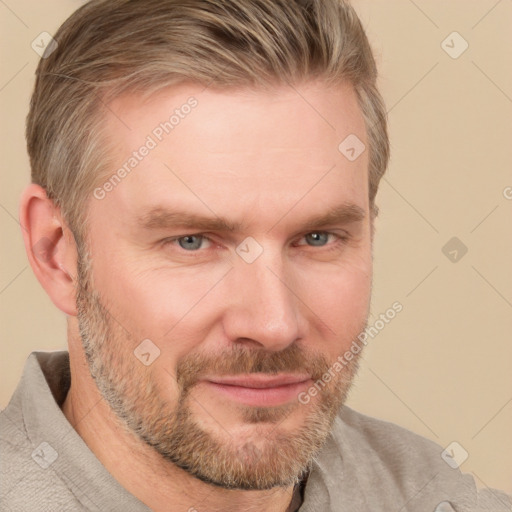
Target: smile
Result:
[260, 390]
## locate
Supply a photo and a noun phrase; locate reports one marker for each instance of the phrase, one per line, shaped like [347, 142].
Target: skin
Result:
[269, 161]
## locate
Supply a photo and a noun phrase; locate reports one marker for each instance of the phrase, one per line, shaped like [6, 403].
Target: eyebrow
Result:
[160, 217]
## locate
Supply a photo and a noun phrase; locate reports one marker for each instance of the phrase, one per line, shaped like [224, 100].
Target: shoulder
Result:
[27, 482]
[387, 441]
[388, 449]
[408, 465]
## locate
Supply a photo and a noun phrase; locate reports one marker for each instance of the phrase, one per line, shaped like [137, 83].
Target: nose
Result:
[263, 309]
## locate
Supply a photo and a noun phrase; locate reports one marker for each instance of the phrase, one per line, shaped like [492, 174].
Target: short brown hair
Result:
[108, 47]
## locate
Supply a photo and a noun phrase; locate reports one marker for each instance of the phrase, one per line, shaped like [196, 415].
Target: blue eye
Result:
[317, 239]
[190, 242]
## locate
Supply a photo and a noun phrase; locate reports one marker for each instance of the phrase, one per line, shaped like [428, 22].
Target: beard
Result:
[268, 456]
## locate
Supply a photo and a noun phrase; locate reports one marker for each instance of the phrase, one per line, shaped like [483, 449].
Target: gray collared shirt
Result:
[366, 464]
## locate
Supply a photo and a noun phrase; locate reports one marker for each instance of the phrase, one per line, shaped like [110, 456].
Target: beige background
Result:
[442, 367]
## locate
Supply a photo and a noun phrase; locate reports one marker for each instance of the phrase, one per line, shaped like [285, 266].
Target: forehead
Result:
[240, 152]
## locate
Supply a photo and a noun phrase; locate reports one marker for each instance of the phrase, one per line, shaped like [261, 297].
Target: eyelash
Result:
[340, 240]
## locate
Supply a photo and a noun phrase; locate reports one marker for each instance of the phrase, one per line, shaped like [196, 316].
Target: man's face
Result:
[211, 247]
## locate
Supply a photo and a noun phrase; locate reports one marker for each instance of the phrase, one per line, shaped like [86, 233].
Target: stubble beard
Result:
[271, 457]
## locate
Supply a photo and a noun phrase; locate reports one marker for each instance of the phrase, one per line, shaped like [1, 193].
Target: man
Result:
[204, 180]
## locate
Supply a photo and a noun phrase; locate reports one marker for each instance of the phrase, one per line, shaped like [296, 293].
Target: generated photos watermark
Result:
[156, 136]
[362, 340]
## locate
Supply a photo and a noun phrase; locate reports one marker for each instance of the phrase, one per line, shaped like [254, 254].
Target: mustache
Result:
[240, 360]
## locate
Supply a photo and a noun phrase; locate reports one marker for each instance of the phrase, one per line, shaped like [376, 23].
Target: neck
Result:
[140, 469]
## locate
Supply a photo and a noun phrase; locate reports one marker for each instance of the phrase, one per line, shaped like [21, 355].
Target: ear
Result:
[50, 246]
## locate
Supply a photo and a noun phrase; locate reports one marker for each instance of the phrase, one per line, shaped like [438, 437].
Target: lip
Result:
[260, 390]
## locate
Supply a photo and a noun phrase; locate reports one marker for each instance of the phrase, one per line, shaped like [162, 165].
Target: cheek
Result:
[340, 302]
[159, 304]
[350, 300]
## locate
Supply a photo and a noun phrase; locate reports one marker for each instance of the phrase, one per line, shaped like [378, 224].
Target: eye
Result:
[317, 239]
[190, 242]
[320, 238]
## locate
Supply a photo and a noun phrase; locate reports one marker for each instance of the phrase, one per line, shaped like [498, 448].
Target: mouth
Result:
[260, 390]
